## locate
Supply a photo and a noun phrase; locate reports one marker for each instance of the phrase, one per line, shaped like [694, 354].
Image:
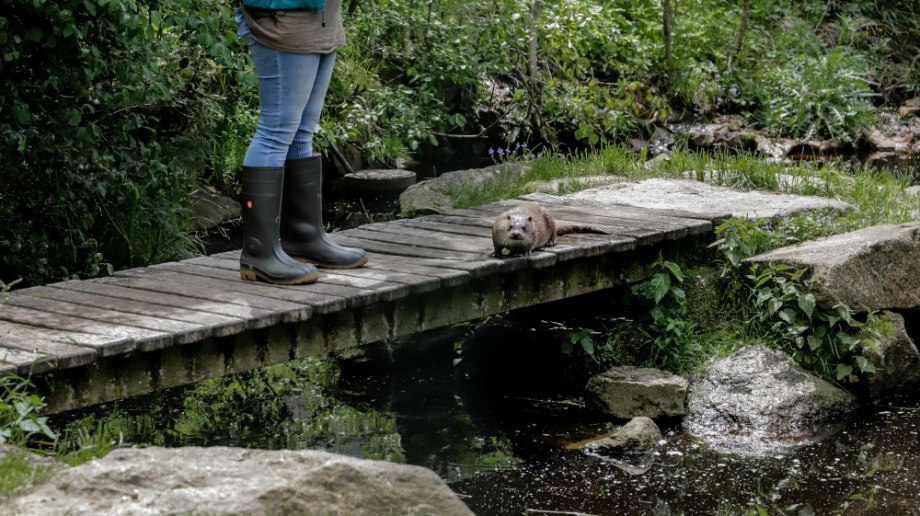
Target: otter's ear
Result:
[509, 217]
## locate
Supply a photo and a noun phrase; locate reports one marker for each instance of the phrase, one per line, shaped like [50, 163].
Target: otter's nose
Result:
[516, 235]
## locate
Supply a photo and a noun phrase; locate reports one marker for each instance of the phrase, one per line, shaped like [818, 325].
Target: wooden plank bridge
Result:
[89, 341]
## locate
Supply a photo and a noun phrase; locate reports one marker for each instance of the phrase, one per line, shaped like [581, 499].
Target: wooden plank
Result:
[502, 265]
[177, 331]
[252, 317]
[648, 221]
[643, 234]
[427, 239]
[628, 216]
[390, 248]
[714, 218]
[219, 325]
[324, 296]
[23, 338]
[450, 225]
[215, 291]
[88, 340]
[625, 211]
[413, 283]
[26, 363]
[124, 339]
[615, 241]
[46, 299]
[448, 277]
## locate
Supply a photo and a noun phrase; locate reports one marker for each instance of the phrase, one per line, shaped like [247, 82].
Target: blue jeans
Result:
[292, 90]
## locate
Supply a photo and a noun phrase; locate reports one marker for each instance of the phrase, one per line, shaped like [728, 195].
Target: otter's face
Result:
[520, 227]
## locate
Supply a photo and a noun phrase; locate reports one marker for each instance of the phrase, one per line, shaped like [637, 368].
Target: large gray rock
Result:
[208, 209]
[237, 481]
[895, 358]
[759, 401]
[696, 197]
[431, 196]
[626, 392]
[876, 267]
[640, 434]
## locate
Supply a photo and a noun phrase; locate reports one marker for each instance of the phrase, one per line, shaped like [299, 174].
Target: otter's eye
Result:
[529, 219]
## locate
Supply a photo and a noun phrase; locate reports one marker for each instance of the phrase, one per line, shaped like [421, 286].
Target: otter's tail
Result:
[563, 229]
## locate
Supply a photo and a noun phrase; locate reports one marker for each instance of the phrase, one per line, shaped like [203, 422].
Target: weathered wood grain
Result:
[252, 317]
[448, 277]
[218, 325]
[26, 363]
[324, 295]
[181, 332]
[211, 290]
[74, 323]
[31, 339]
[124, 339]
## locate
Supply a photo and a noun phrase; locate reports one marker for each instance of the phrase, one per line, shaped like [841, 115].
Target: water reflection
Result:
[502, 429]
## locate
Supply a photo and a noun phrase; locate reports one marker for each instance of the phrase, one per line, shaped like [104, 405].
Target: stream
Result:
[495, 410]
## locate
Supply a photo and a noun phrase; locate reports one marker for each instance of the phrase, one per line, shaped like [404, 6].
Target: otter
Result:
[528, 227]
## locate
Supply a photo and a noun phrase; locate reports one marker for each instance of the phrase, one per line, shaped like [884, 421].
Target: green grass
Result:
[878, 196]
[18, 470]
[725, 324]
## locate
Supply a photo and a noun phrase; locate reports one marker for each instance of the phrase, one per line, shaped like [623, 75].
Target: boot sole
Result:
[251, 275]
[354, 265]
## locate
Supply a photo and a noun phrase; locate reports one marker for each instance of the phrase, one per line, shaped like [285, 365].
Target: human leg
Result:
[282, 97]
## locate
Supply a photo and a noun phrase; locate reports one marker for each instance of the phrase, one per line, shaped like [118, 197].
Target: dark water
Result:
[499, 426]
[503, 445]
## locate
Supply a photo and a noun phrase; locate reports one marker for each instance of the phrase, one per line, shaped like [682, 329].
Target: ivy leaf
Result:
[843, 370]
[773, 305]
[807, 304]
[814, 342]
[865, 365]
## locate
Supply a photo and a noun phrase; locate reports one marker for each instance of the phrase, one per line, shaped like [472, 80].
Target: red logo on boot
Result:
[249, 204]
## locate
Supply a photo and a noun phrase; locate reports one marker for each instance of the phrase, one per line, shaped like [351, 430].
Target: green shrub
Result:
[671, 335]
[109, 110]
[817, 97]
[828, 341]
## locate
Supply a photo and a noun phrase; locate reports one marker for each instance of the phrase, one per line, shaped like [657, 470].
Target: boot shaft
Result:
[261, 198]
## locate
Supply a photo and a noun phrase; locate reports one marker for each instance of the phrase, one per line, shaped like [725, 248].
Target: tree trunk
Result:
[739, 35]
[534, 87]
[666, 26]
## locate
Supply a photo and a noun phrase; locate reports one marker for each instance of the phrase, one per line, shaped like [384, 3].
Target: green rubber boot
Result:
[302, 234]
[262, 257]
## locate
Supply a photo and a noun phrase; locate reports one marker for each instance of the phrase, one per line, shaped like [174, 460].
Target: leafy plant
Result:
[583, 339]
[19, 412]
[672, 339]
[826, 340]
[817, 97]
[108, 111]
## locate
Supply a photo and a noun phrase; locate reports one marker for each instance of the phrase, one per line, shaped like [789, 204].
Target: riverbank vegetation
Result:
[113, 111]
[727, 304]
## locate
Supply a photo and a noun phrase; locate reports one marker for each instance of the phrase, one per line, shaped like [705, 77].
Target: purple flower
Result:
[491, 151]
[733, 90]
[501, 151]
